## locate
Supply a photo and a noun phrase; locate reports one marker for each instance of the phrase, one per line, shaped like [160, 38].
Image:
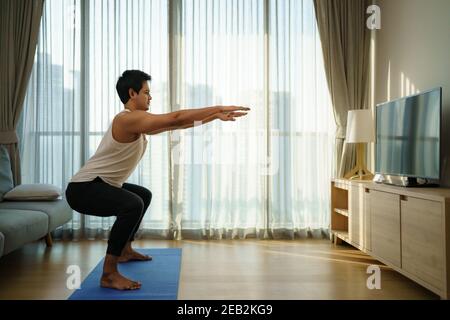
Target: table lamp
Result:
[360, 130]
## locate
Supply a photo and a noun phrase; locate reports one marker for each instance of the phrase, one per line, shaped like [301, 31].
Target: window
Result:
[270, 171]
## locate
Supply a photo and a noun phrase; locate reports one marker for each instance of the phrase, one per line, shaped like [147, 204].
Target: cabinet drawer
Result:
[385, 221]
[423, 240]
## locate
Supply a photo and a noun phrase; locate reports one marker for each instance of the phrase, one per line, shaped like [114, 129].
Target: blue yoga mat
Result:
[159, 278]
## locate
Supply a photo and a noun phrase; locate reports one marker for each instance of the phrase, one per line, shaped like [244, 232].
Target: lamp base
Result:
[359, 173]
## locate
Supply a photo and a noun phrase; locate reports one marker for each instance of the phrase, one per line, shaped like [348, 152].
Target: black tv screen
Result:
[408, 136]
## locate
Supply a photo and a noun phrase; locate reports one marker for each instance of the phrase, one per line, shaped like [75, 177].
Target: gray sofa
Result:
[22, 222]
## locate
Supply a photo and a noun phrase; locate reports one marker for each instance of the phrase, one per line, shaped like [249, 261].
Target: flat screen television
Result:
[408, 140]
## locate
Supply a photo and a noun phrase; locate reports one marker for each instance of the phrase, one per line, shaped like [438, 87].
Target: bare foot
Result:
[115, 280]
[131, 255]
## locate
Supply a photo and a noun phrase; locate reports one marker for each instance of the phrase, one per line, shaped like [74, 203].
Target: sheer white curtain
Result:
[235, 181]
[83, 48]
[222, 184]
[301, 113]
[265, 175]
[51, 123]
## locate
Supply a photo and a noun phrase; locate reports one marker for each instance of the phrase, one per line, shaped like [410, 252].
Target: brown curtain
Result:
[19, 30]
[345, 43]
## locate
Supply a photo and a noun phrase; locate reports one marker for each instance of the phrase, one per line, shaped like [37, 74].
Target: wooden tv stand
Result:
[408, 229]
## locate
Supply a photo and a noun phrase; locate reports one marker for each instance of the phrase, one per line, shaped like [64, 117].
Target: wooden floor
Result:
[226, 269]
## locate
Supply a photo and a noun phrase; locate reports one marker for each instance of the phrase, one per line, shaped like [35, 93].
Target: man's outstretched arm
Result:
[144, 122]
[223, 116]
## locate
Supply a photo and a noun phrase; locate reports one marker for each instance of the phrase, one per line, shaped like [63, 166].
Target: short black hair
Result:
[130, 79]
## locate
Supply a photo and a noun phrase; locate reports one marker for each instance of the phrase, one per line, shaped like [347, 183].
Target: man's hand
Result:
[225, 109]
[230, 115]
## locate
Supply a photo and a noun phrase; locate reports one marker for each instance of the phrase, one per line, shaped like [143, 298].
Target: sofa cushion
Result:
[2, 243]
[6, 178]
[30, 192]
[58, 211]
[21, 226]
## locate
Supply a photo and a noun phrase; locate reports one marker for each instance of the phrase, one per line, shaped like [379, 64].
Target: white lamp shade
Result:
[360, 127]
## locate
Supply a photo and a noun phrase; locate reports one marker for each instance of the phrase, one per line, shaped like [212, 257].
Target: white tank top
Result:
[113, 161]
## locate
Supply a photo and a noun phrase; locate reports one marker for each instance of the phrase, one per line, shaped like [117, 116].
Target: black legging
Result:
[99, 198]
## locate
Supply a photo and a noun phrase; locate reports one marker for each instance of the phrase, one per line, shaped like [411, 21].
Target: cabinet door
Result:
[356, 215]
[367, 222]
[423, 240]
[385, 220]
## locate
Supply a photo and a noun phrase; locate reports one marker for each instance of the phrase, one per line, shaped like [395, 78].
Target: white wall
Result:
[412, 54]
